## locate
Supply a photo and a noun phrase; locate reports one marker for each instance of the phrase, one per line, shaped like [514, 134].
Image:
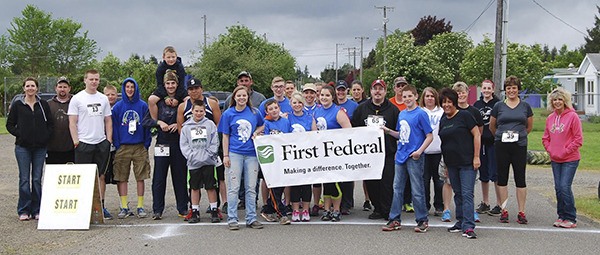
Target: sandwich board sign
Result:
[70, 197]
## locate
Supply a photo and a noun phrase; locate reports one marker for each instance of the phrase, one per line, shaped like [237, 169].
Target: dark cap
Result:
[400, 80]
[194, 83]
[340, 84]
[244, 73]
[63, 79]
[378, 82]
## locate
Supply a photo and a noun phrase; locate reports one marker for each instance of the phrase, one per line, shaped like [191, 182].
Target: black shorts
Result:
[203, 177]
[332, 190]
[98, 154]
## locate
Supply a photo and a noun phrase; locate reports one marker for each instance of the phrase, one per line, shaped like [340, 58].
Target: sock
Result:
[140, 202]
[213, 205]
[195, 207]
[124, 201]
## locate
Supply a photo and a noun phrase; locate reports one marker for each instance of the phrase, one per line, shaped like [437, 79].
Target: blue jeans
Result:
[413, 170]
[462, 179]
[563, 179]
[247, 166]
[31, 166]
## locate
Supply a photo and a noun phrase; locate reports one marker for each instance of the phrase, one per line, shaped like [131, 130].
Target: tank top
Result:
[187, 112]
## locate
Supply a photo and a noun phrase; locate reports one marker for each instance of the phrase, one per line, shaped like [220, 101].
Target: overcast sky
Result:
[308, 30]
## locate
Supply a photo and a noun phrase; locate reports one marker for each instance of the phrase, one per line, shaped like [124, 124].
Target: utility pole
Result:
[504, 44]
[353, 49]
[336, 60]
[497, 75]
[204, 18]
[362, 38]
[385, 21]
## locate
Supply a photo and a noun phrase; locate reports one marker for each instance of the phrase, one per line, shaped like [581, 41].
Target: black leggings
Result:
[301, 193]
[508, 154]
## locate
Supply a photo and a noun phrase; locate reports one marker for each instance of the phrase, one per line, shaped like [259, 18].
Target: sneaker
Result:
[375, 216]
[367, 206]
[557, 223]
[124, 213]
[305, 216]
[470, 234]
[454, 229]
[409, 208]
[188, 216]
[326, 216]
[345, 211]
[23, 217]
[107, 215]
[521, 218]
[446, 216]
[437, 212]
[284, 220]
[504, 216]
[483, 208]
[157, 216]
[422, 227]
[241, 205]
[141, 213]
[335, 216]
[219, 214]
[255, 225]
[476, 217]
[195, 217]
[224, 208]
[268, 217]
[296, 216]
[208, 209]
[233, 226]
[314, 211]
[37, 217]
[391, 226]
[568, 224]
[289, 210]
[214, 215]
[496, 211]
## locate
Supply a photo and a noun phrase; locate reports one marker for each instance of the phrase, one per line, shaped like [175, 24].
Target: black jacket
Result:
[179, 69]
[32, 129]
[390, 114]
[486, 112]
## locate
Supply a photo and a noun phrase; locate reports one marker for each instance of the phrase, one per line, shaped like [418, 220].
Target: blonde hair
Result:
[559, 93]
[297, 96]
[110, 87]
[460, 86]
[277, 79]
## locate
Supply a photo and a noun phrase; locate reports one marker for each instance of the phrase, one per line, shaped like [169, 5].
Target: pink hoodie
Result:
[563, 136]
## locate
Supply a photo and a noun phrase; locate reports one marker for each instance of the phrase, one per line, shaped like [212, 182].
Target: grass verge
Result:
[588, 206]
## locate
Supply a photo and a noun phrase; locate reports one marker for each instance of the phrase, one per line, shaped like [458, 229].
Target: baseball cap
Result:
[341, 83]
[378, 82]
[400, 80]
[193, 83]
[244, 73]
[309, 86]
[63, 79]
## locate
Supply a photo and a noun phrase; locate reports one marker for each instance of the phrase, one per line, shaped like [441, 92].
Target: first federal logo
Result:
[266, 154]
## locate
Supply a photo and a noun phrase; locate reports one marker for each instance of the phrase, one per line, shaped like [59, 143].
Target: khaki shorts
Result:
[443, 172]
[126, 154]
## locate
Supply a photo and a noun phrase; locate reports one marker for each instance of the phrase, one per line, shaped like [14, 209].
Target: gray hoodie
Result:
[199, 143]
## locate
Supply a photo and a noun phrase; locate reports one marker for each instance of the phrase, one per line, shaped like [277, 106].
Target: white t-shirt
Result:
[91, 110]
[434, 119]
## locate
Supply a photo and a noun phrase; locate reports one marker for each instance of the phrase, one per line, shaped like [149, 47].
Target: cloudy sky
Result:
[309, 30]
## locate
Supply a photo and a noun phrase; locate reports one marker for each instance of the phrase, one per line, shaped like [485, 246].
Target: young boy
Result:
[170, 62]
[131, 141]
[110, 91]
[199, 144]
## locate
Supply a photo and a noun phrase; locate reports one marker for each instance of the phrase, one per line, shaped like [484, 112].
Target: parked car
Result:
[220, 95]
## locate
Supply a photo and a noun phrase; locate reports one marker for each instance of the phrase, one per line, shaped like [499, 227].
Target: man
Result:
[60, 152]
[378, 111]
[399, 83]
[290, 88]
[245, 79]
[341, 90]
[91, 130]
[277, 86]
[309, 92]
[319, 86]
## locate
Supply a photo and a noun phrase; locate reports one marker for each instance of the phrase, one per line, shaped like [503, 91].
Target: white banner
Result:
[347, 154]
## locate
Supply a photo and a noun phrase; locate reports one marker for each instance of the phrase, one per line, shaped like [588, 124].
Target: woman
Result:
[331, 116]
[562, 140]
[237, 124]
[31, 123]
[510, 122]
[433, 153]
[301, 121]
[358, 93]
[461, 140]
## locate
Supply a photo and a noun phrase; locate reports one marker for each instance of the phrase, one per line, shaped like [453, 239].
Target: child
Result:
[199, 145]
[170, 62]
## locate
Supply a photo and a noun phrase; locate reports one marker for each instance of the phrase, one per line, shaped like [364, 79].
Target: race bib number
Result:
[161, 150]
[510, 137]
[198, 133]
[375, 121]
[132, 126]
[94, 109]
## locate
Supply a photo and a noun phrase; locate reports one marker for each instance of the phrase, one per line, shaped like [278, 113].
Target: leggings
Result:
[508, 154]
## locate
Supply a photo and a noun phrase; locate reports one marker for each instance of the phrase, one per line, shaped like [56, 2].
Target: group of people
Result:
[435, 137]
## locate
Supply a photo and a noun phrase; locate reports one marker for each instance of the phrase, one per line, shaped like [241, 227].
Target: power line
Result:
[556, 17]
[466, 30]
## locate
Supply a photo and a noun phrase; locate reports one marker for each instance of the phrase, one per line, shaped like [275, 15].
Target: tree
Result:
[566, 57]
[428, 27]
[111, 69]
[241, 49]
[592, 40]
[369, 61]
[449, 48]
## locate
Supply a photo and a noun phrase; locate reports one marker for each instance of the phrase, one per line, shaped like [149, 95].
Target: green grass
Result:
[591, 141]
[588, 206]
[3, 130]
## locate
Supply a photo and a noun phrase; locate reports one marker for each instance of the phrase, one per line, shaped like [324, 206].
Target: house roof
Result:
[595, 59]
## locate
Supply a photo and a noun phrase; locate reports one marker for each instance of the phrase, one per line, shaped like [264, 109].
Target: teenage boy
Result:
[60, 152]
[131, 140]
[110, 92]
[278, 88]
[414, 134]
[170, 62]
[199, 144]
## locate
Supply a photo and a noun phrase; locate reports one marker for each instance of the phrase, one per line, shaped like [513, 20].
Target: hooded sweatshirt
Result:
[199, 143]
[179, 69]
[32, 129]
[485, 108]
[388, 111]
[124, 114]
[563, 136]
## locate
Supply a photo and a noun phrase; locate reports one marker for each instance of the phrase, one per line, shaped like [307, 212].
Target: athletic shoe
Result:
[314, 211]
[568, 224]
[288, 210]
[326, 216]
[208, 209]
[375, 216]
[241, 205]
[483, 208]
[284, 220]
[268, 217]
[409, 208]
[345, 211]
[141, 213]
[219, 214]
[233, 226]
[335, 216]
[188, 216]
[157, 216]
[476, 217]
[367, 205]
[496, 211]
[107, 215]
[305, 216]
[422, 227]
[215, 215]
[296, 216]
[124, 213]
[23, 217]
[454, 229]
[224, 208]
[391, 226]
[438, 212]
[37, 217]
[470, 234]
[255, 225]
[195, 217]
[504, 216]
[557, 223]
[446, 216]
[521, 218]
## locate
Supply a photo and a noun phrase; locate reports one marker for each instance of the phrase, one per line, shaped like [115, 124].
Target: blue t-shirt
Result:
[284, 106]
[350, 106]
[240, 125]
[301, 123]
[327, 117]
[281, 125]
[311, 109]
[412, 126]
